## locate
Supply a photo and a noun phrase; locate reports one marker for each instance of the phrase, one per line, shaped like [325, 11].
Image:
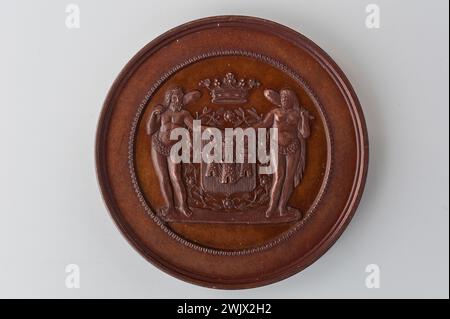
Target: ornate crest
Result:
[227, 186]
[231, 192]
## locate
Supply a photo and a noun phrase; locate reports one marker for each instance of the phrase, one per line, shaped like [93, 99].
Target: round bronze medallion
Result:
[232, 152]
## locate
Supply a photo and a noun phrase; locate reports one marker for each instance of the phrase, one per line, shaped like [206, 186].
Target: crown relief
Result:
[229, 89]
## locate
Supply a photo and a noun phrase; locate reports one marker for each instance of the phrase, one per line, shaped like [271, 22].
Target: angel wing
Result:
[191, 97]
[301, 163]
[303, 131]
[273, 97]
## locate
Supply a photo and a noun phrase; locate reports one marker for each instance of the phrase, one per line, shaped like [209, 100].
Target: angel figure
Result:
[292, 122]
[162, 120]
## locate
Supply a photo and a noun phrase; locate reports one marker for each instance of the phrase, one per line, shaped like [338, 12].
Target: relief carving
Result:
[293, 126]
[162, 120]
[229, 192]
[229, 89]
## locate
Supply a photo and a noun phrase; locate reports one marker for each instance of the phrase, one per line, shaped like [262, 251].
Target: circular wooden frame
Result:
[345, 182]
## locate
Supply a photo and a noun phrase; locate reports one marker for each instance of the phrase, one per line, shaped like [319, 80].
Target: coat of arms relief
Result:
[224, 191]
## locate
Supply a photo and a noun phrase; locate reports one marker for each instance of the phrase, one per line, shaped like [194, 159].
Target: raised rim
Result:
[339, 78]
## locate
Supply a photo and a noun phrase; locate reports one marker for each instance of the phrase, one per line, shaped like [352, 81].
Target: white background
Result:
[53, 81]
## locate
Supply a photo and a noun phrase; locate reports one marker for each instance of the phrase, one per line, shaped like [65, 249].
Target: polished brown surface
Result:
[228, 241]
